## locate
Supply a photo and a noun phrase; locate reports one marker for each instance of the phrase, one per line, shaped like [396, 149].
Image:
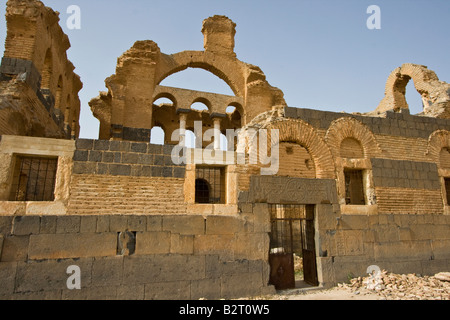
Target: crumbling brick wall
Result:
[36, 78]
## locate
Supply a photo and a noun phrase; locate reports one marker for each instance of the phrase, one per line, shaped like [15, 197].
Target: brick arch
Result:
[302, 133]
[436, 142]
[348, 127]
[166, 95]
[229, 70]
[202, 100]
[435, 96]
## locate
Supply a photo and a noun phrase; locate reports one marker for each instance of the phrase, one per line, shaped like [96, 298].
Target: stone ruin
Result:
[351, 190]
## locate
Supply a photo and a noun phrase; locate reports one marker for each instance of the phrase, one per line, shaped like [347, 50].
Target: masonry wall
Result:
[126, 178]
[407, 176]
[398, 243]
[347, 244]
[38, 86]
[134, 257]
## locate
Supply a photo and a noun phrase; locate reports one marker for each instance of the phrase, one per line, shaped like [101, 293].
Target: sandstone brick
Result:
[137, 223]
[8, 276]
[118, 223]
[206, 289]
[152, 243]
[91, 293]
[180, 244]
[440, 249]
[241, 285]
[103, 224]
[6, 225]
[15, 248]
[88, 224]
[184, 225]
[76, 245]
[215, 245]
[136, 292]
[52, 275]
[25, 225]
[107, 272]
[223, 225]
[154, 223]
[67, 224]
[139, 270]
[179, 290]
[403, 250]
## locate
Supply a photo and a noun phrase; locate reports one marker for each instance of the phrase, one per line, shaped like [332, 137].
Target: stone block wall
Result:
[134, 257]
[398, 243]
[126, 178]
[407, 187]
[347, 244]
[394, 124]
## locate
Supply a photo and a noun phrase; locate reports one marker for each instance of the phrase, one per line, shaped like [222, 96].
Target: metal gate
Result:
[292, 236]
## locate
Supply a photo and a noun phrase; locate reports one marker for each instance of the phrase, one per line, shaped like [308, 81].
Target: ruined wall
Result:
[125, 110]
[127, 178]
[347, 244]
[166, 257]
[435, 93]
[404, 175]
[36, 78]
[120, 214]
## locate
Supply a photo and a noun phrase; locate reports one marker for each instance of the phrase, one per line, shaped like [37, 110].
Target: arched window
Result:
[47, 70]
[231, 110]
[199, 106]
[163, 102]
[157, 136]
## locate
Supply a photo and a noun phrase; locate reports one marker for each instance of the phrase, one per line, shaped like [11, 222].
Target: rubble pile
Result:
[402, 287]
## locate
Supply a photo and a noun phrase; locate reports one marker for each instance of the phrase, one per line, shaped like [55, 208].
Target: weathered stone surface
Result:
[76, 245]
[39, 74]
[152, 243]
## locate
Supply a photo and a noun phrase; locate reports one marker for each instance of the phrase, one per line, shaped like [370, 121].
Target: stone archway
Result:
[300, 132]
[435, 94]
[348, 127]
[436, 142]
[141, 69]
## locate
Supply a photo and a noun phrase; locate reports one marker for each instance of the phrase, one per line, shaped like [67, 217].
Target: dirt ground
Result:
[325, 294]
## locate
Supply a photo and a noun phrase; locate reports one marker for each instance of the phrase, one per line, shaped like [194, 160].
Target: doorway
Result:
[292, 255]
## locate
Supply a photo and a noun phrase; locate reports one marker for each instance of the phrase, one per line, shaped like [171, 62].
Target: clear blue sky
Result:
[318, 52]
